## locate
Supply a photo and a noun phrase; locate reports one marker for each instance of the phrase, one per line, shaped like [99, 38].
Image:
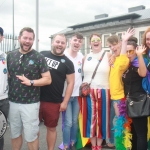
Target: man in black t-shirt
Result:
[28, 71]
[61, 69]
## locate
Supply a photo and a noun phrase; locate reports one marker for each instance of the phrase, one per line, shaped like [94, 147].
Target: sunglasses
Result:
[21, 58]
[95, 40]
[130, 52]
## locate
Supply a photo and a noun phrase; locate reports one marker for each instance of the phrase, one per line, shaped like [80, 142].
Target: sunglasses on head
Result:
[130, 52]
[95, 40]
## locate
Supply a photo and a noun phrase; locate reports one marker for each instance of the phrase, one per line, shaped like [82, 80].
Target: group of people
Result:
[41, 85]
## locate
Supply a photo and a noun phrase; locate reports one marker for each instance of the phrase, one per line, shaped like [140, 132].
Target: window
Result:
[140, 37]
[83, 47]
[105, 40]
[120, 36]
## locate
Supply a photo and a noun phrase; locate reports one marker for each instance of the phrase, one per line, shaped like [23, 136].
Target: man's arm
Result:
[70, 85]
[44, 80]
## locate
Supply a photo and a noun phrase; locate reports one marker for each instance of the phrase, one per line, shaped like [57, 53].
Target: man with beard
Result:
[61, 69]
[27, 71]
[4, 103]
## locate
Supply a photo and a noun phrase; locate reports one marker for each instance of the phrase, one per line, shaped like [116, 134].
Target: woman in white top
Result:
[96, 106]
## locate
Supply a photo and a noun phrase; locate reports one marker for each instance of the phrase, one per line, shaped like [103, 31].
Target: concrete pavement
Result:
[42, 139]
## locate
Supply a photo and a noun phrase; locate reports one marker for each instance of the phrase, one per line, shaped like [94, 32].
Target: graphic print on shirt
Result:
[52, 63]
[124, 74]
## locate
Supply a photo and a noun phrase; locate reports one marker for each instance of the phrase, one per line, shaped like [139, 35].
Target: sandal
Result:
[99, 147]
[94, 147]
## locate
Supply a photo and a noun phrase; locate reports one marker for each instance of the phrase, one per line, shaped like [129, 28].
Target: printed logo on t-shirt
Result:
[52, 63]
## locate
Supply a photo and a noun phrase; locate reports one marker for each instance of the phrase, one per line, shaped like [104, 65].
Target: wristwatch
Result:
[32, 82]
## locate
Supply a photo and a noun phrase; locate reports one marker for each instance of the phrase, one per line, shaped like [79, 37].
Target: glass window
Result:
[105, 40]
[83, 47]
[140, 37]
[120, 36]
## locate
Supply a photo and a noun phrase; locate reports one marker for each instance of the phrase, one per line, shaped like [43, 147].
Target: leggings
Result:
[140, 126]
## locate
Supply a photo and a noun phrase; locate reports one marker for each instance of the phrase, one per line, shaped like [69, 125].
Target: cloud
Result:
[56, 15]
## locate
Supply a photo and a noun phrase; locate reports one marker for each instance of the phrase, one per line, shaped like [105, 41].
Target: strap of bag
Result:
[98, 65]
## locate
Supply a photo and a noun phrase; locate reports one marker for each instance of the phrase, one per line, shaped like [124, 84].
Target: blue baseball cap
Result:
[1, 31]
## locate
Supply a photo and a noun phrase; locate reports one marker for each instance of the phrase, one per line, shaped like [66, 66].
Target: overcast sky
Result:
[57, 15]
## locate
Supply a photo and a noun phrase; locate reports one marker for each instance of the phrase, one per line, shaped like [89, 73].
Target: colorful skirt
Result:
[95, 110]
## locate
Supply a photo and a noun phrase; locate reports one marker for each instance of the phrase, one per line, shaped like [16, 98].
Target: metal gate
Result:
[7, 43]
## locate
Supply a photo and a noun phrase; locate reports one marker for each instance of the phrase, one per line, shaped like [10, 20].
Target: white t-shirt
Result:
[3, 76]
[101, 79]
[77, 61]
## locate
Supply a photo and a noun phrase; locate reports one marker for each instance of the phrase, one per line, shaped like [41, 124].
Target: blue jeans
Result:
[112, 119]
[71, 121]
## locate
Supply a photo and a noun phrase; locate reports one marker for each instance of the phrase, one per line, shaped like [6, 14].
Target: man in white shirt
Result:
[4, 104]
[72, 111]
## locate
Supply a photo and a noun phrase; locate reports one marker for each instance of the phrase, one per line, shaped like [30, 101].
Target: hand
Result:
[126, 35]
[140, 50]
[63, 106]
[24, 80]
[111, 60]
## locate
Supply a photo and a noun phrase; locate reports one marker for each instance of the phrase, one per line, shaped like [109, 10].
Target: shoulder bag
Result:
[84, 88]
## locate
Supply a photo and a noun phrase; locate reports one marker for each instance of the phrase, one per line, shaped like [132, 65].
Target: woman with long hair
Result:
[132, 79]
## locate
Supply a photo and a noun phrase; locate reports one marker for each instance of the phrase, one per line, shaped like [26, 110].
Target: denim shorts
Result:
[24, 116]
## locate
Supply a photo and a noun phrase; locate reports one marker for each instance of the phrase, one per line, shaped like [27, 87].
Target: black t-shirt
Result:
[132, 81]
[59, 67]
[31, 65]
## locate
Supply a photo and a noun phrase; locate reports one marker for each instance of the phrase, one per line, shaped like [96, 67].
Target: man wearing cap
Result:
[4, 104]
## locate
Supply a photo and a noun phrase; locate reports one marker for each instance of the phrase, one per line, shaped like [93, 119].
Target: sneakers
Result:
[72, 147]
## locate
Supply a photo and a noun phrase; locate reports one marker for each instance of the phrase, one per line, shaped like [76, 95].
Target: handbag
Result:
[84, 88]
[138, 105]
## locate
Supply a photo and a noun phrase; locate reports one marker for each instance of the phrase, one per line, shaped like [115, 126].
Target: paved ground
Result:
[43, 145]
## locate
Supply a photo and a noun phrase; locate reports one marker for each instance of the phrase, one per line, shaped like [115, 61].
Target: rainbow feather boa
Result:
[122, 128]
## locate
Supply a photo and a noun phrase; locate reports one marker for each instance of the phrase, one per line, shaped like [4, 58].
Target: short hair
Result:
[59, 35]
[78, 35]
[144, 39]
[93, 35]
[113, 39]
[133, 41]
[28, 29]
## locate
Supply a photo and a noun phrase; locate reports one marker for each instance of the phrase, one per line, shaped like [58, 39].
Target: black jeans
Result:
[4, 107]
[140, 127]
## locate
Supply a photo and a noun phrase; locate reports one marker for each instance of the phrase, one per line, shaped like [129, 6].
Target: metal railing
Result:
[6, 44]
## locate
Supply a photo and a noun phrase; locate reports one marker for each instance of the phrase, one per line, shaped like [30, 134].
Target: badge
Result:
[63, 60]
[79, 70]
[3, 124]
[31, 62]
[89, 58]
[5, 71]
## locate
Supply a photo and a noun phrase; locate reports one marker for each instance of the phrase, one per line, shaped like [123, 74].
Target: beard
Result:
[58, 53]
[21, 45]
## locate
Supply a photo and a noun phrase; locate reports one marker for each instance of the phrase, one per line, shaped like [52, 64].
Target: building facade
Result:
[137, 17]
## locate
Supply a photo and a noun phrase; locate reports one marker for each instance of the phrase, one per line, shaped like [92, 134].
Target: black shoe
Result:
[108, 147]
[72, 147]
